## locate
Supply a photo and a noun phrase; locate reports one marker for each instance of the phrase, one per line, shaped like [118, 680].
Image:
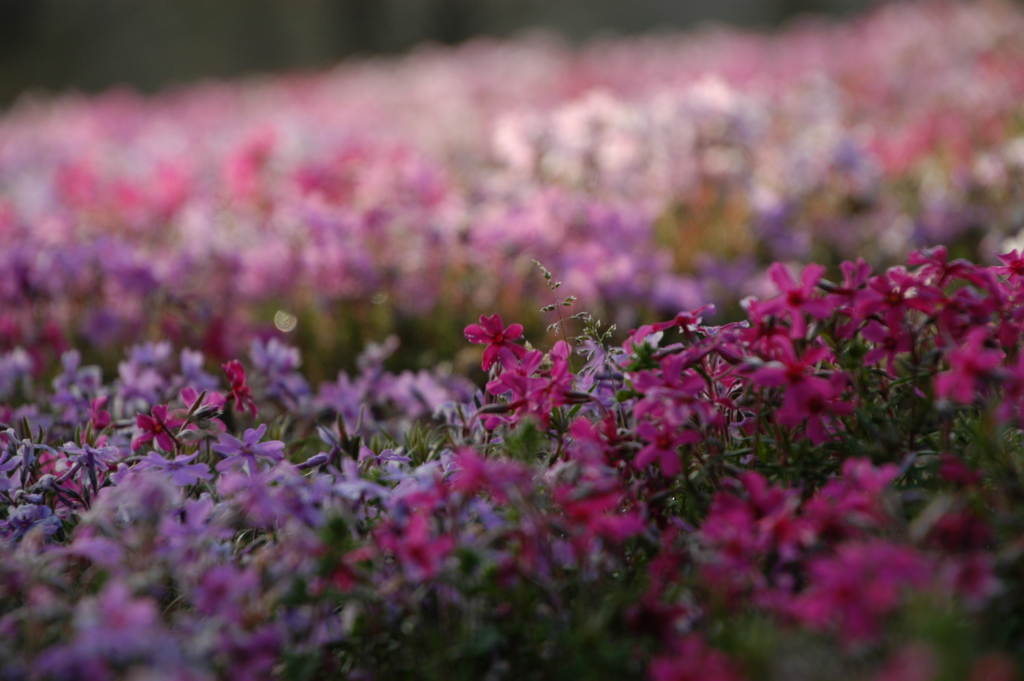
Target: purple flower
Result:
[27, 517]
[112, 628]
[350, 485]
[192, 371]
[139, 386]
[15, 371]
[225, 591]
[254, 495]
[150, 354]
[87, 380]
[278, 363]
[180, 469]
[92, 459]
[74, 388]
[8, 462]
[246, 450]
[274, 357]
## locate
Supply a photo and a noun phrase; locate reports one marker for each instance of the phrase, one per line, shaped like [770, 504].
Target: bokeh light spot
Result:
[284, 321]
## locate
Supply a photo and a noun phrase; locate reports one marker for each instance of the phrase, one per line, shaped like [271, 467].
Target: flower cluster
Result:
[410, 195]
[810, 471]
[831, 480]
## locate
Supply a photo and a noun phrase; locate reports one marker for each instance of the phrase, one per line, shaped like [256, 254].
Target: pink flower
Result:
[939, 269]
[663, 443]
[888, 343]
[854, 590]
[913, 662]
[969, 366]
[797, 299]
[844, 296]
[492, 332]
[98, 416]
[1013, 265]
[745, 528]
[815, 408]
[532, 390]
[598, 514]
[687, 322]
[241, 394]
[159, 426]
[894, 293]
[419, 552]
[210, 408]
[786, 369]
[693, 660]
[809, 398]
[852, 503]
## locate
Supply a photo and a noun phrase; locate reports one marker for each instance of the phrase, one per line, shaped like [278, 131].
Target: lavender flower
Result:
[245, 452]
[15, 372]
[28, 516]
[92, 459]
[180, 470]
[192, 371]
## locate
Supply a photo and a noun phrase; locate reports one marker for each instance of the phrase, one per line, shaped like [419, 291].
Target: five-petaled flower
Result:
[492, 332]
[158, 427]
[180, 470]
[969, 366]
[248, 449]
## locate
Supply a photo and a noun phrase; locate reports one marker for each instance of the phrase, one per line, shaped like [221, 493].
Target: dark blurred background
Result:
[55, 45]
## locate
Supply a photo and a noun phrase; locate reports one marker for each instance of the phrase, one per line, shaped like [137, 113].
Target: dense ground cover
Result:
[818, 476]
[831, 486]
[411, 195]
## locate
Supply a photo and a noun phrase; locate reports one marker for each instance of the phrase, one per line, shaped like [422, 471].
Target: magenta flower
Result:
[209, 409]
[939, 269]
[663, 443]
[809, 398]
[419, 552]
[98, 416]
[786, 369]
[852, 503]
[530, 390]
[969, 366]
[687, 322]
[843, 296]
[157, 427]
[746, 526]
[693, 660]
[894, 293]
[241, 394]
[492, 332]
[598, 515]
[854, 590]
[212, 400]
[1013, 265]
[889, 342]
[815, 408]
[797, 299]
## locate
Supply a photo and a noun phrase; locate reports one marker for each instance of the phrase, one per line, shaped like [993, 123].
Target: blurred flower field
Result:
[683, 357]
